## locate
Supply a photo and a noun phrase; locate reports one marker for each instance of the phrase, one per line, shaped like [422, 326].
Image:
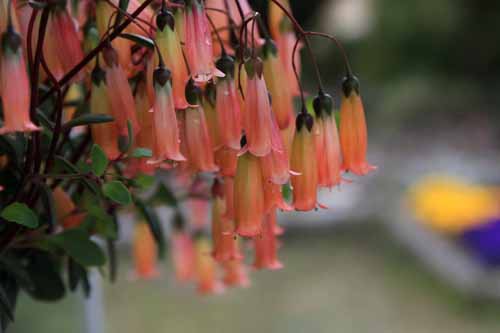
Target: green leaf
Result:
[164, 196]
[141, 40]
[123, 4]
[21, 214]
[144, 181]
[142, 153]
[99, 160]
[88, 119]
[46, 278]
[124, 143]
[77, 245]
[68, 166]
[116, 191]
[102, 222]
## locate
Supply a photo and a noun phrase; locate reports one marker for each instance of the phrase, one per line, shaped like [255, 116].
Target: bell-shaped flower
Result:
[183, 255]
[63, 35]
[303, 161]
[248, 196]
[257, 121]
[14, 85]
[278, 85]
[353, 133]
[199, 143]
[328, 155]
[206, 275]
[105, 134]
[228, 105]
[266, 246]
[170, 49]
[166, 130]
[223, 233]
[198, 43]
[144, 252]
[119, 94]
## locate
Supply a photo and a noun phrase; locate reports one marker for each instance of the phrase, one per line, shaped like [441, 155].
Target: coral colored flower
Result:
[201, 156]
[63, 35]
[170, 48]
[266, 246]
[279, 87]
[198, 141]
[275, 165]
[285, 43]
[120, 94]
[353, 133]
[180, 24]
[165, 121]
[14, 85]
[273, 198]
[183, 255]
[144, 252]
[198, 43]
[205, 268]
[277, 18]
[224, 241]
[257, 116]
[228, 105]
[235, 274]
[106, 134]
[248, 196]
[226, 159]
[303, 161]
[328, 156]
[221, 21]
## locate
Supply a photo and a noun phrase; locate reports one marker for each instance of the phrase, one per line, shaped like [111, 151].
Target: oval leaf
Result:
[78, 246]
[99, 160]
[21, 214]
[116, 191]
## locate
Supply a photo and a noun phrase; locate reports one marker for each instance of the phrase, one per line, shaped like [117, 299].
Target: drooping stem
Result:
[339, 46]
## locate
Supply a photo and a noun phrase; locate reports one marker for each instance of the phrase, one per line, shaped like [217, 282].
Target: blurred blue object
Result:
[484, 242]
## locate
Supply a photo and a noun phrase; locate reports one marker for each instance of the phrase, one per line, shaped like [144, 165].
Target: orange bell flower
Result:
[248, 196]
[205, 268]
[14, 85]
[235, 274]
[183, 255]
[66, 212]
[199, 143]
[224, 241]
[228, 106]
[229, 198]
[276, 166]
[257, 115]
[303, 161]
[165, 121]
[106, 134]
[328, 156]
[171, 51]
[62, 34]
[266, 246]
[353, 133]
[120, 94]
[279, 87]
[144, 251]
[198, 43]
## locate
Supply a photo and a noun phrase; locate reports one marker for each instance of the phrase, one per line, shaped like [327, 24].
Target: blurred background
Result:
[411, 248]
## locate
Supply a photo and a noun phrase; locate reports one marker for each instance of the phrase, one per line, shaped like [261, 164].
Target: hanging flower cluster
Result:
[202, 93]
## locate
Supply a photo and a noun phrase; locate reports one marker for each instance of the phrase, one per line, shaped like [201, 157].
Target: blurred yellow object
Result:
[450, 205]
